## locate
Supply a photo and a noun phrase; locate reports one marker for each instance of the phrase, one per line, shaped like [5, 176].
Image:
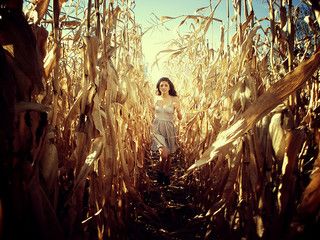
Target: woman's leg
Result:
[164, 154]
[165, 163]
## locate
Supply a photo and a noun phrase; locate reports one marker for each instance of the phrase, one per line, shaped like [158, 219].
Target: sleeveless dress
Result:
[163, 129]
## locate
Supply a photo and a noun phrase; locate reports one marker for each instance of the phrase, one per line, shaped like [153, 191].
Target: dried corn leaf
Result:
[91, 55]
[266, 102]
[70, 24]
[57, 4]
[41, 35]
[310, 202]
[41, 8]
[164, 18]
[295, 140]
[50, 61]
[201, 9]
[18, 39]
[245, 25]
[49, 164]
[278, 136]
[96, 115]
[94, 154]
[283, 16]
[75, 108]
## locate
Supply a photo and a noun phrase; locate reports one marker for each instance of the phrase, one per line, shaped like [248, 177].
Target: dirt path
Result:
[175, 215]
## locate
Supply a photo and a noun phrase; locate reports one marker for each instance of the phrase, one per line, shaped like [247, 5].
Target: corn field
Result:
[76, 116]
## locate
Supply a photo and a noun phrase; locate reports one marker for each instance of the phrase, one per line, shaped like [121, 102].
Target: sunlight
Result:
[152, 43]
[90, 148]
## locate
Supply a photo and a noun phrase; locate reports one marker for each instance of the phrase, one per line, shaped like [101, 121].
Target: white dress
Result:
[163, 129]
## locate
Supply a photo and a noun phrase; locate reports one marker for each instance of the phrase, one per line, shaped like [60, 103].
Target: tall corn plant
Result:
[22, 196]
[92, 145]
[252, 98]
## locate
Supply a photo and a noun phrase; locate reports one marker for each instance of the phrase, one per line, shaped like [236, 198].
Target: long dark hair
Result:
[172, 91]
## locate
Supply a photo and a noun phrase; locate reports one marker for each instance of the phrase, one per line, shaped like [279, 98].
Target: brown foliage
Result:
[22, 54]
[75, 166]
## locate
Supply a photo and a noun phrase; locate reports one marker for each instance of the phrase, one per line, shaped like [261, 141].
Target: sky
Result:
[156, 39]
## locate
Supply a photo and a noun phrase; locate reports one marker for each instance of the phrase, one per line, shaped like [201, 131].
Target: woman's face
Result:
[164, 87]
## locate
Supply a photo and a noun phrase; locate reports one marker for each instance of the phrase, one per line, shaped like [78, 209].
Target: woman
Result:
[164, 132]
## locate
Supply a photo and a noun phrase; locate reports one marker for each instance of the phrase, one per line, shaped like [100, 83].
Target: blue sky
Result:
[155, 40]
